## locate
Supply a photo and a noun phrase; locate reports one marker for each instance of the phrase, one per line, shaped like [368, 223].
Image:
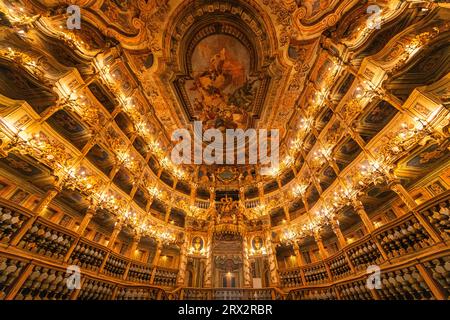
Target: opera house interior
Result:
[357, 93]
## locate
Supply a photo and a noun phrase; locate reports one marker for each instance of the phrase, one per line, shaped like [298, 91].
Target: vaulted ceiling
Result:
[334, 86]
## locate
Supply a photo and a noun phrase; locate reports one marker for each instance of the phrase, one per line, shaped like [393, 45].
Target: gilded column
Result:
[193, 193]
[168, 211]
[305, 202]
[134, 245]
[46, 199]
[82, 227]
[183, 261]
[261, 192]
[208, 266]
[298, 255]
[337, 231]
[246, 265]
[158, 251]
[411, 204]
[155, 260]
[359, 207]
[149, 204]
[322, 250]
[273, 266]
[115, 233]
[300, 261]
[86, 219]
[404, 195]
[286, 213]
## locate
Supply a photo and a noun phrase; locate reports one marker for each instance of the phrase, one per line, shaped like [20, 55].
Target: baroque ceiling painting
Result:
[221, 91]
[338, 114]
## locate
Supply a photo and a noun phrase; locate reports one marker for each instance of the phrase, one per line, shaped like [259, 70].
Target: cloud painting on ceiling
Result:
[221, 89]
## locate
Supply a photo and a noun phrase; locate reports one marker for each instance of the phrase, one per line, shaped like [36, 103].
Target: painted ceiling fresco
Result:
[222, 90]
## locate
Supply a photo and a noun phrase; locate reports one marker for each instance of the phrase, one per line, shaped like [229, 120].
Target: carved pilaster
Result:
[134, 245]
[149, 204]
[208, 266]
[305, 202]
[212, 197]
[86, 219]
[46, 199]
[246, 265]
[193, 193]
[167, 216]
[115, 233]
[298, 255]
[158, 251]
[155, 260]
[359, 208]
[273, 265]
[319, 242]
[337, 231]
[261, 192]
[404, 195]
[183, 262]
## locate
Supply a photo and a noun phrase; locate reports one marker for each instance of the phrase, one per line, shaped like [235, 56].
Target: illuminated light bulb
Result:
[419, 124]
[358, 92]
[288, 160]
[165, 162]
[274, 171]
[376, 165]
[72, 172]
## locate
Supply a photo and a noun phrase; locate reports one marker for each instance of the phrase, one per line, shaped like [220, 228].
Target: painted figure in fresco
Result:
[197, 243]
[257, 243]
[223, 93]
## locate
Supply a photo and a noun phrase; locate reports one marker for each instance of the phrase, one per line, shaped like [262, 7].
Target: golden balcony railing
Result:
[47, 239]
[419, 278]
[165, 277]
[396, 241]
[316, 273]
[414, 259]
[226, 294]
[87, 256]
[139, 273]
[11, 220]
[29, 278]
[291, 278]
[38, 239]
